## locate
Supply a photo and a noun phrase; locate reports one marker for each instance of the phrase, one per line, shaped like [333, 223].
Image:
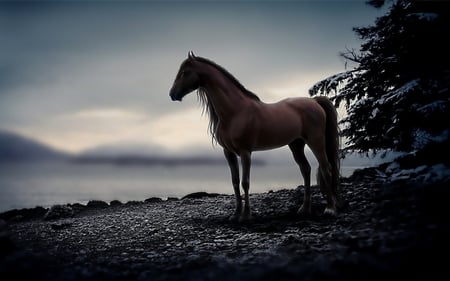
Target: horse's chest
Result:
[232, 138]
[224, 138]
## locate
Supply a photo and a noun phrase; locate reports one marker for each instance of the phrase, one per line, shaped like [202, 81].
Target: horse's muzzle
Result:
[174, 96]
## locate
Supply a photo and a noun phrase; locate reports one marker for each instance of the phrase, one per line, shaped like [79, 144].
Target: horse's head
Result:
[186, 81]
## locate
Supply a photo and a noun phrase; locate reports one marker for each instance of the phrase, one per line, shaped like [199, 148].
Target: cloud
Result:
[109, 114]
[186, 128]
[109, 66]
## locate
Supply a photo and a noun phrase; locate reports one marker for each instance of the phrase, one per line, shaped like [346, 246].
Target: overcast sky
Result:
[76, 75]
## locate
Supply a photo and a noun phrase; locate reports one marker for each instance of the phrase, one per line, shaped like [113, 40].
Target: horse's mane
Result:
[229, 76]
[207, 106]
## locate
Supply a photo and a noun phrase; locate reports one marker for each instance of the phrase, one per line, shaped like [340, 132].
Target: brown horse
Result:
[241, 123]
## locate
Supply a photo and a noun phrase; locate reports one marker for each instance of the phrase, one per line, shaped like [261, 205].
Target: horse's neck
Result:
[225, 97]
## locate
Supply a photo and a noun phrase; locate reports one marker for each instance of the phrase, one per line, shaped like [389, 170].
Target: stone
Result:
[199, 195]
[57, 212]
[97, 204]
[23, 214]
[7, 246]
[379, 235]
[77, 207]
[115, 203]
[153, 200]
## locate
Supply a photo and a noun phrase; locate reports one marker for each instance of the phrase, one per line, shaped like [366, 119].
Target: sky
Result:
[79, 74]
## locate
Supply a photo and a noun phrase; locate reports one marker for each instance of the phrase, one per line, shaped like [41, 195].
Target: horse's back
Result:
[305, 113]
[304, 108]
[271, 125]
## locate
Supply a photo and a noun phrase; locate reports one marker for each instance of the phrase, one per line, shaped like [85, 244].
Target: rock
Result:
[2, 225]
[385, 231]
[367, 174]
[198, 195]
[58, 226]
[133, 203]
[172, 199]
[115, 203]
[77, 207]
[153, 200]
[7, 246]
[17, 218]
[98, 204]
[58, 212]
[23, 214]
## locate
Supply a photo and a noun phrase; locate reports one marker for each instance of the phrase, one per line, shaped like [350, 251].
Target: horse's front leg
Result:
[246, 163]
[234, 168]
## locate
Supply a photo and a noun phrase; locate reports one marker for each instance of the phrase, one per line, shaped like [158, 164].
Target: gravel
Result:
[386, 231]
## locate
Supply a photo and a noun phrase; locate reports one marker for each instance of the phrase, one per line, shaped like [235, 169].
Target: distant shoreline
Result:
[30, 184]
[155, 161]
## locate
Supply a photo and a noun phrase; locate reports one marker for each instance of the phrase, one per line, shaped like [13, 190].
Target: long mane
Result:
[209, 109]
[230, 77]
[207, 106]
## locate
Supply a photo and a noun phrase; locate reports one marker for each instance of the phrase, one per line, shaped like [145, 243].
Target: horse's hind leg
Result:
[324, 177]
[325, 186]
[297, 147]
[234, 168]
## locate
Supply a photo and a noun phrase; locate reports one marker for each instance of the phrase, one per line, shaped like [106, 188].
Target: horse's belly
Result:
[275, 137]
[272, 142]
[262, 132]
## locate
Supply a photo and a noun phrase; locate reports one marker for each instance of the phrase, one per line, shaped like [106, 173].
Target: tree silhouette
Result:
[397, 97]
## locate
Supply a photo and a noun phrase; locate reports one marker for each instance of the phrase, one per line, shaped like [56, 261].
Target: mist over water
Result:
[26, 185]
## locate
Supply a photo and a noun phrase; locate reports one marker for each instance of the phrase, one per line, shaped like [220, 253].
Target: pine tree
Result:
[397, 97]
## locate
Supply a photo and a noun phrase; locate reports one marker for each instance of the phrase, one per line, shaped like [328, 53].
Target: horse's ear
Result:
[191, 55]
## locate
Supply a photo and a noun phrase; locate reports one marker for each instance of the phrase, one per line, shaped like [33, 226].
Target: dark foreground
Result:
[387, 231]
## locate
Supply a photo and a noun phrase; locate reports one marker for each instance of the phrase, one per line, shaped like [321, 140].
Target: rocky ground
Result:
[389, 230]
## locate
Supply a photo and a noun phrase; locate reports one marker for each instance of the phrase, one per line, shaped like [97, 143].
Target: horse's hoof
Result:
[245, 218]
[329, 212]
[234, 218]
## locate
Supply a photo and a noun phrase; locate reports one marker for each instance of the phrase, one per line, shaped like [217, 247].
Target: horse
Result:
[241, 123]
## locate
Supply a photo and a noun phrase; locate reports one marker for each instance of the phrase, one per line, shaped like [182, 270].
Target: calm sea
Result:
[27, 185]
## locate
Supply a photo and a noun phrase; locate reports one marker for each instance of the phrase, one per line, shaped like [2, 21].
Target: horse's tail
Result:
[332, 141]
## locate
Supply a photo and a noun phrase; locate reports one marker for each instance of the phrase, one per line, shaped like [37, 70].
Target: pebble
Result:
[132, 241]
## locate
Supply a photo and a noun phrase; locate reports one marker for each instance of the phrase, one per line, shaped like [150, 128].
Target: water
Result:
[26, 185]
